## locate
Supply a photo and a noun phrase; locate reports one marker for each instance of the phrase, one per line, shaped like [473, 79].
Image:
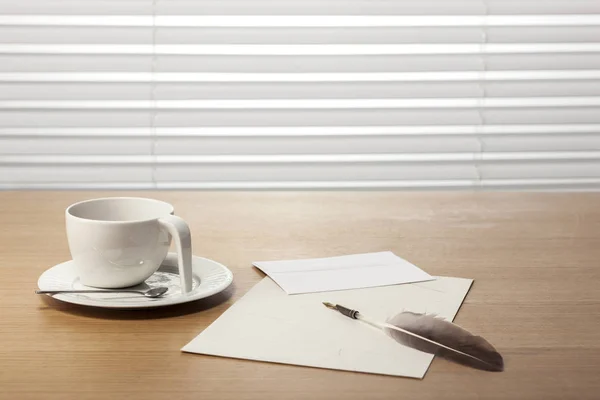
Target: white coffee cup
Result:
[118, 242]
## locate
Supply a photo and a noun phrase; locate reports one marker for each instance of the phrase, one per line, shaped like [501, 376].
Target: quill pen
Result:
[434, 335]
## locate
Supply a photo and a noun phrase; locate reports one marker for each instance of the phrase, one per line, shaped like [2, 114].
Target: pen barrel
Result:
[347, 312]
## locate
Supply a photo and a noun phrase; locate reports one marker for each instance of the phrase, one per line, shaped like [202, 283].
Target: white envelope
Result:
[343, 272]
[268, 325]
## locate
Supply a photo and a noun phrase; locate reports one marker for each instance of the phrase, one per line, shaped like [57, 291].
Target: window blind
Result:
[251, 94]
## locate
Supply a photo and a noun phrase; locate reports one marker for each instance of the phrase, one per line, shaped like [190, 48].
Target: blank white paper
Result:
[342, 273]
[268, 325]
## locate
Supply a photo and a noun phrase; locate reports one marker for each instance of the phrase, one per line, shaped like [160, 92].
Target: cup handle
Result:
[180, 231]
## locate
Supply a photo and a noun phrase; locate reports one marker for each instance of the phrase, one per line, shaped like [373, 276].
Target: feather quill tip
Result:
[446, 339]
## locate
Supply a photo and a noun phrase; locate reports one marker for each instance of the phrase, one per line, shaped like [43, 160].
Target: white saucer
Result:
[209, 277]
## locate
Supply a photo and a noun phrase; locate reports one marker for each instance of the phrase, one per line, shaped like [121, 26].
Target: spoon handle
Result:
[87, 291]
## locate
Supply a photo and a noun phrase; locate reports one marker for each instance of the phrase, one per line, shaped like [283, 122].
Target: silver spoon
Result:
[152, 293]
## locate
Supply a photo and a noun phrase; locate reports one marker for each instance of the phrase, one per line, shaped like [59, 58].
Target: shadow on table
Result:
[145, 313]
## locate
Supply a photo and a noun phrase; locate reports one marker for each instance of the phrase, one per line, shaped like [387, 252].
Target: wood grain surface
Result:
[536, 296]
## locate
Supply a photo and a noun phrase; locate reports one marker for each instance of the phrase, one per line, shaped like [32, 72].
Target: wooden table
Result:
[535, 259]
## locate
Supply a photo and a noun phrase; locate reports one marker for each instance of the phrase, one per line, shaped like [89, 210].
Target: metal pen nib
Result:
[343, 310]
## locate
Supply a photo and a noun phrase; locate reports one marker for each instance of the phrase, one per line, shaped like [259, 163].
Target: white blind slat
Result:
[302, 49]
[299, 158]
[295, 91]
[308, 7]
[309, 104]
[166, 77]
[552, 184]
[287, 131]
[302, 21]
[20, 63]
[269, 145]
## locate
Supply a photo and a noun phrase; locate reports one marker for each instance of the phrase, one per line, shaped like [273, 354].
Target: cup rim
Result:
[100, 221]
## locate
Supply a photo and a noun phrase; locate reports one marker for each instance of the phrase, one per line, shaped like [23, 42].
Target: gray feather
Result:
[450, 340]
